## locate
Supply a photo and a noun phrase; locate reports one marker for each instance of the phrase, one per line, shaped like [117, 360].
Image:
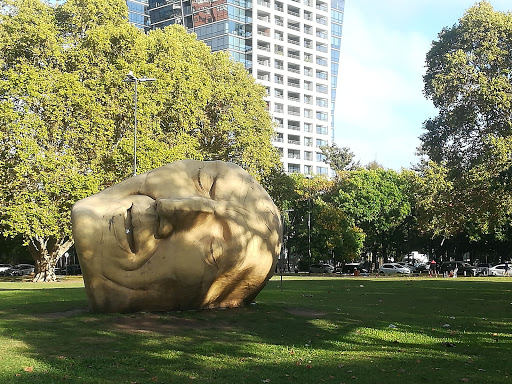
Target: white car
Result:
[390, 268]
[499, 270]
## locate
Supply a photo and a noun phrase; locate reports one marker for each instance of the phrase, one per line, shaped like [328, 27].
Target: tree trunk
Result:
[46, 253]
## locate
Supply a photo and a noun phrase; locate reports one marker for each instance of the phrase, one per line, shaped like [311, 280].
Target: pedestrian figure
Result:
[455, 270]
[433, 268]
[506, 271]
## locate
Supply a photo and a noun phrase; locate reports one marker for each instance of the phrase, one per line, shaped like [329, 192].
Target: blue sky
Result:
[380, 107]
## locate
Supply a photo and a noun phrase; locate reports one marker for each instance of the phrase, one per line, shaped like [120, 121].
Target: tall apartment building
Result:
[138, 13]
[292, 47]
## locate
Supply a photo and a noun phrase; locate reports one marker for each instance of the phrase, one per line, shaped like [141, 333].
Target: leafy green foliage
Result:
[377, 201]
[466, 189]
[67, 117]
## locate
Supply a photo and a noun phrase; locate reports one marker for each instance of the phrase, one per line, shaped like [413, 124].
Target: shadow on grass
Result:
[331, 330]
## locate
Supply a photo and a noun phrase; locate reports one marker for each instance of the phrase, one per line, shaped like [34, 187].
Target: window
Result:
[320, 157]
[308, 113]
[322, 47]
[337, 17]
[279, 138]
[294, 139]
[293, 96]
[308, 85]
[321, 74]
[308, 127]
[321, 88]
[336, 29]
[278, 79]
[278, 93]
[294, 154]
[321, 102]
[308, 57]
[321, 170]
[308, 99]
[278, 64]
[294, 111]
[308, 155]
[321, 143]
[279, 124]
[321, 61]
[321, 130]
[293, 168]
[308, 142]
[278, 49]
[322, 116]
[321, 33]
[294, 125]
[308, 71]
[308, 169]
[278, 108]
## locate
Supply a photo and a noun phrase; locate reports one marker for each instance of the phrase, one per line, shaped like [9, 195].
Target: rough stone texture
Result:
[187, 235]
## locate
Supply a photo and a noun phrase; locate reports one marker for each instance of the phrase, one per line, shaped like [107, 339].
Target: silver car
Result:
[392, 268]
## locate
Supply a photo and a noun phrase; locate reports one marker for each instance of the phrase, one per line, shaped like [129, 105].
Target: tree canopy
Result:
[66, 116]
[468, 144]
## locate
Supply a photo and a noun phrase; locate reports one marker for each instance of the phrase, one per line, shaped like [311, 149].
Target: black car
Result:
[463, 269]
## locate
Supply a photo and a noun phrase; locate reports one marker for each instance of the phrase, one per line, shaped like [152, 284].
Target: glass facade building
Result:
[138, 13]
[292, 47]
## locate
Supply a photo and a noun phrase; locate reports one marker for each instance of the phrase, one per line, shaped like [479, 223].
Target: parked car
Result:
[423, 268]
[21, 270]
[463, 269]
[350, 268]
[391, 268]
[411, 267]
[4, 268]
[499, 270]
[71, 269]
[321, 268]
[482, 269]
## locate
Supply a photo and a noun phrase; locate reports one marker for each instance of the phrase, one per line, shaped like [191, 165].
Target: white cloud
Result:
[380, 107]
[379, 88]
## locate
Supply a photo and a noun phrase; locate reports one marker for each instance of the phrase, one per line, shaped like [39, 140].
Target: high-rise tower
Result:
[138, 13]
[292, 47]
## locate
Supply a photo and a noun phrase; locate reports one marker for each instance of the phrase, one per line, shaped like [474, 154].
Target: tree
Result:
[377, 201]
[468, 79]
[66, 116]
[340, 159]
[316, 225]
[467, 144]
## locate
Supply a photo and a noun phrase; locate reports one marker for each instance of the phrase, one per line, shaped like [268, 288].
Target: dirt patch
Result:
[60, 315]
[305, 312]
[162, 324]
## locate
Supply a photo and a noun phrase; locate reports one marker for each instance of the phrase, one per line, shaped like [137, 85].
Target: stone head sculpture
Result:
[187, 235]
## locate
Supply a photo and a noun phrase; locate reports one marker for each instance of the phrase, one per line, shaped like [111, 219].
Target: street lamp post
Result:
[130, 77]
[309, 219]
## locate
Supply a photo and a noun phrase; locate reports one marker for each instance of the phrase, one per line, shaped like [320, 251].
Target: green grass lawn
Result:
[313, 330]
